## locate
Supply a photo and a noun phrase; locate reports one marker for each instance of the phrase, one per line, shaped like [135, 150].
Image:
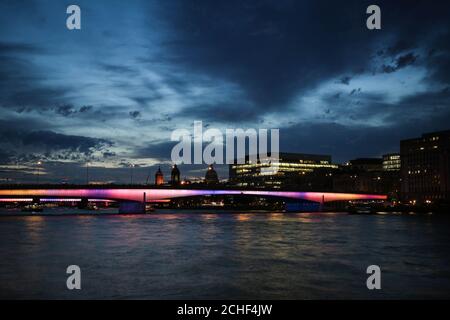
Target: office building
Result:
[367, 175]
[391, 162]
[293, 170]
[425, 168]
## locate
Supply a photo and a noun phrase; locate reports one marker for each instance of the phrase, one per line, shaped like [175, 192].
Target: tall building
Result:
[425, 168]
[391, 162]
[211, 176]
[175, 176]
[366, 175]
[294, 170]
[159, 177]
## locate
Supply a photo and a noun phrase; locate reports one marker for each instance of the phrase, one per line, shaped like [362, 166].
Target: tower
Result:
[175, 176]
[159, 177]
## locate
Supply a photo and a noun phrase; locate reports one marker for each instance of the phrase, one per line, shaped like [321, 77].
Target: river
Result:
[222, 255]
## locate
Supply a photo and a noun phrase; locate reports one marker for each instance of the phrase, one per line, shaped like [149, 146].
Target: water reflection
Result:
[242, 217]
[34, 226]
[190, 255]
[209, 216]
[276, 216]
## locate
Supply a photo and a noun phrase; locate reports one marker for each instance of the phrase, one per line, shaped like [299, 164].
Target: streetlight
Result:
[87, 173]
[17, 171]
[132, 167]
[38, 170]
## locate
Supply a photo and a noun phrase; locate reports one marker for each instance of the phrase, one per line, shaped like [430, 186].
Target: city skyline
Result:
[111, 93]
[148, 175]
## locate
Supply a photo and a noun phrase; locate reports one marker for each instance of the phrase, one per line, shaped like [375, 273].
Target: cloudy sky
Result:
[111, 93]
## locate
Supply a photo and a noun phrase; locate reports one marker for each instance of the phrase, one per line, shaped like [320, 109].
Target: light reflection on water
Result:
[221, 255]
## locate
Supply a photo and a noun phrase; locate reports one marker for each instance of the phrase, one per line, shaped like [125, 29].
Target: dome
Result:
[211, 175]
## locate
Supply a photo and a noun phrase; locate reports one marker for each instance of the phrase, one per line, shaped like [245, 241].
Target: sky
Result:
[109, 96]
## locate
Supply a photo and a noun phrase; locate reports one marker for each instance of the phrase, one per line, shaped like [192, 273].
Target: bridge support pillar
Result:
[322, 203]
[83, 204]
[131, 207]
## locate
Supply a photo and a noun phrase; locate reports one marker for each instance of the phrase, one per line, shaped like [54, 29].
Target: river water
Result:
[218, 255]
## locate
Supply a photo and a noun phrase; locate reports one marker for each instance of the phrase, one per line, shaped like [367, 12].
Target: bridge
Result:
[130, 196]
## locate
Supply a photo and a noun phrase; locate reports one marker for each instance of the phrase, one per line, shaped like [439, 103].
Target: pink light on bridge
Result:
[165, 194]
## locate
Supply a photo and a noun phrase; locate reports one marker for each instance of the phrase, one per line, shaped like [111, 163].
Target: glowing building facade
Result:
[305, 171]
[391, 162]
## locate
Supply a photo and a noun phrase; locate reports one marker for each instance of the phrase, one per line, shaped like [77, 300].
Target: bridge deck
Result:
[151, 194]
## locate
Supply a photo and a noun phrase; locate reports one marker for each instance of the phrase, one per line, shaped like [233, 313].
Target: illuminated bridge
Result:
[157, 194]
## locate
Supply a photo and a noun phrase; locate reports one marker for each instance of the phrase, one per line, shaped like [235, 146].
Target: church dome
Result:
[211, 175]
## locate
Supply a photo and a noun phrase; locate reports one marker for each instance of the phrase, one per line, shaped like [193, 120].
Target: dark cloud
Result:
[230, 40]
[156, 150]
[401, 62]
[408, 118]
[56, 141]
[438, 61]
[347, 142]
[12, 48]
[120, 70]
[20, 141]
[21, 85]
[275, 51]
[65, 110]
[354, 91]
[84, 109]
[398, 47]
[345, 80]
[224, 112]
[5, 157]
[135, 114]
[109, 154]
